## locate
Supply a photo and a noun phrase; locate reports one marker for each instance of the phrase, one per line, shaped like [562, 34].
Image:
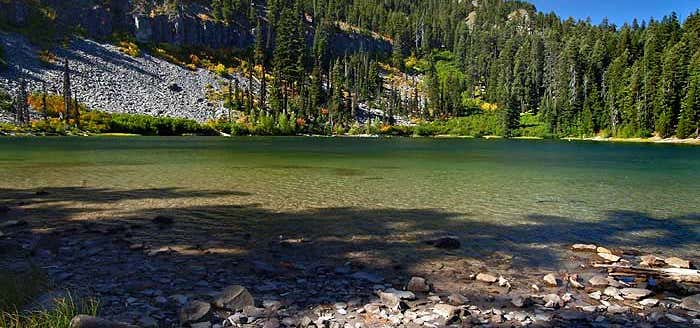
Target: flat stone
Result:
[598, 281]
[678, 262]
[402, 294]
[194, 311]
[649, 302]
[234, 298]
[485, 277]
[617, 309]
[613, 292]
[551, 280]
[603, 250]
[418, 285]
[86, 321]
[584, 247]
[609, 257]
[595, 295]
[445, 310]
[634, 293]
[691, 303]
[675, 318]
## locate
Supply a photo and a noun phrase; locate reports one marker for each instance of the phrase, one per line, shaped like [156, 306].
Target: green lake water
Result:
[536, 193]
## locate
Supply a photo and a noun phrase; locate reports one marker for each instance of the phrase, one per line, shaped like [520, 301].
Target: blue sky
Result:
[617, 11]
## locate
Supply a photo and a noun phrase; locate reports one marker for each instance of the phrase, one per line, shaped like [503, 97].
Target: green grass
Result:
[18, 290]
[59, 316]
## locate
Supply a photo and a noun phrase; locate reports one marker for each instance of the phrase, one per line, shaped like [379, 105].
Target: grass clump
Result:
[18, 290]
[59, 316]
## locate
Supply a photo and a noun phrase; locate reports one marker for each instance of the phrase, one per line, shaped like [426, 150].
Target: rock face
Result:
[86, 321]
[180, 26]
[234, 298]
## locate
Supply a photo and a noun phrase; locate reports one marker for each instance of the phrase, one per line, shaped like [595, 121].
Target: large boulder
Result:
[234, 298]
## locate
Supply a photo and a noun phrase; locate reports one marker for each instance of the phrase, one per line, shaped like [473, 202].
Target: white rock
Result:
[551, 280]
[485, 277]
[649, 302]
[609, 257]
[584, 247]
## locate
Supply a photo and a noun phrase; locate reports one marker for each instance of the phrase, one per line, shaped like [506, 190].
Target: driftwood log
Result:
[679, 275]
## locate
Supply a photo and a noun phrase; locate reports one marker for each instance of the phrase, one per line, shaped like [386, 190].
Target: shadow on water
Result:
[231, 240]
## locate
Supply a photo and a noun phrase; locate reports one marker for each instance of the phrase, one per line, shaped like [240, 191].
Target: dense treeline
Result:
[580, 79]
[495, 61]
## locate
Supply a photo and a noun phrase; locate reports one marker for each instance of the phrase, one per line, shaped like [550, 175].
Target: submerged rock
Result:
[163, 220]
[448, 242]
[86, 321]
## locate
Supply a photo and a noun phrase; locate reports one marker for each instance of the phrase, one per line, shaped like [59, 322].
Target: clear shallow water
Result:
[538, 193]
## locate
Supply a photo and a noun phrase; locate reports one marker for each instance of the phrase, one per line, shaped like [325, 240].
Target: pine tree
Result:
[689, 121]
[670, 92]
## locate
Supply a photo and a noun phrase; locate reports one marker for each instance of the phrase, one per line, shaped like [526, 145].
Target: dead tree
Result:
[21, 107]
[67, 98]
[44, 106]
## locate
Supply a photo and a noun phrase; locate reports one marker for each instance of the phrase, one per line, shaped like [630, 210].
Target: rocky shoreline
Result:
[165, 271]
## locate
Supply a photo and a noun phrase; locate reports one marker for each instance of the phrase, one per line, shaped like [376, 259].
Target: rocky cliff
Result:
[184, 26]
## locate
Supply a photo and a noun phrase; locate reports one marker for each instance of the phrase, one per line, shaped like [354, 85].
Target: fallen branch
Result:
[680, 275]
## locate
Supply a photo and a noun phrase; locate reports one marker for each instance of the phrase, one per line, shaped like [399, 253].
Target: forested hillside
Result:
[579, 78]
[499, 62]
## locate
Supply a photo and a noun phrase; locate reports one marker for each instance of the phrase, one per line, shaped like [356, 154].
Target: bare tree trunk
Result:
[66, 92]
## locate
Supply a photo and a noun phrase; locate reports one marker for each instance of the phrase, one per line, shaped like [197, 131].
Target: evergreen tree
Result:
[689, 121]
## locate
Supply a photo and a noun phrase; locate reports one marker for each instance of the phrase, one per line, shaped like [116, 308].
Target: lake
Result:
[522, 197]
